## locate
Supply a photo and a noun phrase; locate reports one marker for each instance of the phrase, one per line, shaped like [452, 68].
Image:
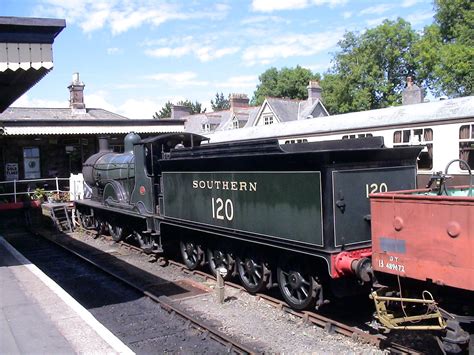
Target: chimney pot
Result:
[76, 94]
[238, 101]
[412, 94]
[314, 91]
[179, 111]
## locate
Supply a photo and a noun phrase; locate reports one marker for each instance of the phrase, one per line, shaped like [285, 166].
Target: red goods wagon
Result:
[425, 237]
[423, 253]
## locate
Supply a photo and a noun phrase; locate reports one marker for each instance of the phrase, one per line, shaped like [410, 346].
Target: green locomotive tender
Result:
[295, 215]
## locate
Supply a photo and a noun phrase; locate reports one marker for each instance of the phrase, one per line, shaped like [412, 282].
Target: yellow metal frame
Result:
[389, 321]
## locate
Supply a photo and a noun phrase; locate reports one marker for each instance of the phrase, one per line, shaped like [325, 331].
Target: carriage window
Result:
[466, 146]
[360, 135]
[300, 140]
[418, 136]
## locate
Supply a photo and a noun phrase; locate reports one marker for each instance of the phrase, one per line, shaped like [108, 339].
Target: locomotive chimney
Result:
[103, 144]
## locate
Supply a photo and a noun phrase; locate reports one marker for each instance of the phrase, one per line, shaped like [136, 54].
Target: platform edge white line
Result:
[98, 327]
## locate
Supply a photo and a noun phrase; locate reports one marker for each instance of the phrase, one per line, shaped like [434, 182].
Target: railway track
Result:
[330, 325]
[166, 303]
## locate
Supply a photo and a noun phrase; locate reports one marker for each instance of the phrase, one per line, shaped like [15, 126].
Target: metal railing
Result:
[25, 187]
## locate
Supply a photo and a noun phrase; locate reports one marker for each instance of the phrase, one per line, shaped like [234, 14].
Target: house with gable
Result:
[276, 110]
[238, 116]
[273, 110]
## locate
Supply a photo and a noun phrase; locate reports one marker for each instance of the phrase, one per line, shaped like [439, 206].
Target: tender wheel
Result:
[253, 274]
[146, 241]
[191, 254]
[297, 287]
[116, 232]
[217, 259]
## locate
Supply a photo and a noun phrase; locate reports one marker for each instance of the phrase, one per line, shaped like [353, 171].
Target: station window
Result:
[466, 146]
[267, 120]
[417, 136]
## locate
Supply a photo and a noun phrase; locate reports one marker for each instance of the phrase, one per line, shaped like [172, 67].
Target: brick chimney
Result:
[178, 111]
[76, 94]
[314, 91]
[412, 94]
[238, 101]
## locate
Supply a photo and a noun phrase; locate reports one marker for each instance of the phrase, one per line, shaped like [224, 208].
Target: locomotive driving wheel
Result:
[253, 274]
[296, 286]
[116, 232]
[191, 254]
[218, 259]
[86, 221]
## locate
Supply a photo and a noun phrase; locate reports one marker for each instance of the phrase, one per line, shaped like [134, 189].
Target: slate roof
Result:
[60, 114]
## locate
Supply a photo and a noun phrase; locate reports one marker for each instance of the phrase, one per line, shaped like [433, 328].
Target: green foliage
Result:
[165, 111]
[446, 51]
[370, 70]
[220, 103]
[39, 194]
[287, 82]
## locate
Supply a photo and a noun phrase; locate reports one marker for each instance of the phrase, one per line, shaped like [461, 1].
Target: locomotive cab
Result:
[148, 152]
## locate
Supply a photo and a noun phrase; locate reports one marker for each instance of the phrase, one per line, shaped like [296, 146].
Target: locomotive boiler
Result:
[296, 216]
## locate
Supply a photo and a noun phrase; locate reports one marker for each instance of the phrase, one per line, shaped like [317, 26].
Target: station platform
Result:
[39, 317]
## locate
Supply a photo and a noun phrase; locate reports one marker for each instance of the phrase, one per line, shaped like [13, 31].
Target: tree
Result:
[286, 83]
[220, 103]
[370, 70]
[165, 112]
[446, 51]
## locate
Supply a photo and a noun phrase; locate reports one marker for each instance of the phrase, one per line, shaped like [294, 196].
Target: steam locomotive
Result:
[294, 215]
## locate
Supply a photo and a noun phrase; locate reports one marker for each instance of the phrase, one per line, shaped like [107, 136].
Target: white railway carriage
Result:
[445, 128]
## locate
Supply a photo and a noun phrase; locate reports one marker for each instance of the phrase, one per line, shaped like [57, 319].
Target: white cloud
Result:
[122, 15]
[240, 82]
[181, 79]
[200, 48]
[140, 108]
[318, 67]
[278, 5]
[291, 46]
[377, 21]
[114, 50]
[376, 10]
[410, 3]
[264, 20]
[420, 18]
[347, 14]
[26, 101]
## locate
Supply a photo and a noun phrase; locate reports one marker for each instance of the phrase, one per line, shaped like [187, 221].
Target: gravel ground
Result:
[244, 317]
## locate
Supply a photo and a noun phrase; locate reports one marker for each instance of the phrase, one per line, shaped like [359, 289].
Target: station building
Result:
[38, 143]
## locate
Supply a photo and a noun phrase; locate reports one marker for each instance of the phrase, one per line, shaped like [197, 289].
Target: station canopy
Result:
[26, 54]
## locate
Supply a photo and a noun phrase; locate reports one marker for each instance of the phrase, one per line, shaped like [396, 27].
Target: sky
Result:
[135, 55]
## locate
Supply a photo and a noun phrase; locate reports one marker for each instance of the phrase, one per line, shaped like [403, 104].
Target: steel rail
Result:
[163, 301]
[330, 325]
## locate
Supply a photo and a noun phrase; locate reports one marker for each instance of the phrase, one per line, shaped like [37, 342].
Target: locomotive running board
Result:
[389, 321]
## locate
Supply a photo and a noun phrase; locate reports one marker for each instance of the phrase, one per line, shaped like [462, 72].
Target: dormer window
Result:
[206, 127]
[268, 119]
[235, 123]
